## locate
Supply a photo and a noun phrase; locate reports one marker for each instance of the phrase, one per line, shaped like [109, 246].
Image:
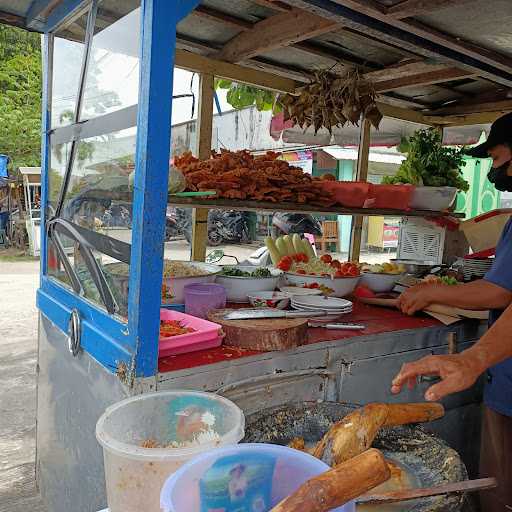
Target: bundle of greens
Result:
[429, 163]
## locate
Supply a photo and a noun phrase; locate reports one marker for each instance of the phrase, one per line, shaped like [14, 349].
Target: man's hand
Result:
[457, 372]
[416, 298]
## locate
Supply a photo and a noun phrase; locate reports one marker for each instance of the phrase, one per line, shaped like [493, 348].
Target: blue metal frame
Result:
[159, 20]
[104, 337]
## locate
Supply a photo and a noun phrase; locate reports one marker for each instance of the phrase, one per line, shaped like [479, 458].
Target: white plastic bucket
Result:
[245, 478]
[135, 475]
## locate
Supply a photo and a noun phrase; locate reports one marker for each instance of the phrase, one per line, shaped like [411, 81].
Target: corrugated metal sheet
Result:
[488, 24]
[17, 7]
[478, 21]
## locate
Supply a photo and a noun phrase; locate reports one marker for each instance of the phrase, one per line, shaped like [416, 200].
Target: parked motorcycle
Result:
[223, 226]
[290, 223]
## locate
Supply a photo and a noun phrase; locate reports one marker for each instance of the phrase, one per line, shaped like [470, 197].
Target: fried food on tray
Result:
[243, 176]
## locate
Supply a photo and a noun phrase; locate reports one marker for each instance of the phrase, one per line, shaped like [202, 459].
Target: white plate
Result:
[328, 311]
[323, 302]
[296, 291]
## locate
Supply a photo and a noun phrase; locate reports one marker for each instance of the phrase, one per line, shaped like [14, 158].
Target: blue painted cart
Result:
[108, 82]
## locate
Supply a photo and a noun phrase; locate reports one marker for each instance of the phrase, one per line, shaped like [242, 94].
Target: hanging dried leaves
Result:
[332, 101]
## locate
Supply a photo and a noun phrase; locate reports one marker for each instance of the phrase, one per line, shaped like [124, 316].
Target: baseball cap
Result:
[501, 133]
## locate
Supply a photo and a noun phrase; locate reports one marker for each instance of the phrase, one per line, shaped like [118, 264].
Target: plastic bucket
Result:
[187, 423]
[243, 478]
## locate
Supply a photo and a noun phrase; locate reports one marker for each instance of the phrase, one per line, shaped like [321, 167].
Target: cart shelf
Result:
[229, 204]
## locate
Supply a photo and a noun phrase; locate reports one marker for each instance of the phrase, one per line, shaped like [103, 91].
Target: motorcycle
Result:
[290, 223]
[223, 226]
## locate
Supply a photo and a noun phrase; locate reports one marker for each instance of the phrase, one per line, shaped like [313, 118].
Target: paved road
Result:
[18, 344]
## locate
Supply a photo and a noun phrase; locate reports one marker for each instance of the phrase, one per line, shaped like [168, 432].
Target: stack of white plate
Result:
[476, 268]
[331, 305]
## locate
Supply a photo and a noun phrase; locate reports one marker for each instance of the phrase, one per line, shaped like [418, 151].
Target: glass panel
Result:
[113, 75]
[99, 195]
[67, 64]
[114, 272]
[58, 160]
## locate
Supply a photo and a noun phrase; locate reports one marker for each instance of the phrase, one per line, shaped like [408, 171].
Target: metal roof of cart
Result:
[441, 58]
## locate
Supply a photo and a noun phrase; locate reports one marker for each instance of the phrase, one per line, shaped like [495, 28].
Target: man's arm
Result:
[460, 371]
[480, 294]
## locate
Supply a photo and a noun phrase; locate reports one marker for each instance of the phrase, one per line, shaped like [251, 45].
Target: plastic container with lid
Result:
[188, 423]
[245, 478]
[201, 298]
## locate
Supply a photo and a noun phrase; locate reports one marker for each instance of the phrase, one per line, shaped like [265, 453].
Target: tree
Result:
[20, 97]
[241, 96]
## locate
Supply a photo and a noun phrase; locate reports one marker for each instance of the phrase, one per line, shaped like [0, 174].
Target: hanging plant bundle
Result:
[331, 101]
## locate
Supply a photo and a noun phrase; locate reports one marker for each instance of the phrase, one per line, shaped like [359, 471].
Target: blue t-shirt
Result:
[498, 389]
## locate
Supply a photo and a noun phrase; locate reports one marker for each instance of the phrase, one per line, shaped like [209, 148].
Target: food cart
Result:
[90, 356]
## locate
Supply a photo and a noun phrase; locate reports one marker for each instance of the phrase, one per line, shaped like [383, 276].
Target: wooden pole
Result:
[203, 151]
[361, 175]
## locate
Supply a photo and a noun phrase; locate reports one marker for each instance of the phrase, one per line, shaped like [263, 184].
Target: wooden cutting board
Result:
[445, 314]
[266, 335]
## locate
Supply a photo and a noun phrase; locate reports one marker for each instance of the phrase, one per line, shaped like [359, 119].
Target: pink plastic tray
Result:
[207, 335]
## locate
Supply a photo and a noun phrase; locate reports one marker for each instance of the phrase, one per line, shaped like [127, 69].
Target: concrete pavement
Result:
[18, 346]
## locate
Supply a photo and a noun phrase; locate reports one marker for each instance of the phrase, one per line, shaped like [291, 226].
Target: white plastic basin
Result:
[135, 475]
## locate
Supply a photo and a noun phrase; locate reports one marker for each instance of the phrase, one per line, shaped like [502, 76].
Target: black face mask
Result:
[499, 177]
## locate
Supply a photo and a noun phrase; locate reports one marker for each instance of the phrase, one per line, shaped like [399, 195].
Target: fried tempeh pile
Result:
[240, 175]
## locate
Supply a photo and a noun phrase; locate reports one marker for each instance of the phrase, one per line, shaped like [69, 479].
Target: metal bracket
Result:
[74, 333]
[274, 377]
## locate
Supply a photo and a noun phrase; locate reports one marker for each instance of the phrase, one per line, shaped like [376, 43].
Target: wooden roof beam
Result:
[274, 32]
[396, 79]
[276, 5]
[409, 8]
[471, 108]
[200, 64]
[428, 33]
[412, 36]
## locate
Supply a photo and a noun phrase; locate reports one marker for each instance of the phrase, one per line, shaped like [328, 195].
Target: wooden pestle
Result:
[355, 433]
[338, 486]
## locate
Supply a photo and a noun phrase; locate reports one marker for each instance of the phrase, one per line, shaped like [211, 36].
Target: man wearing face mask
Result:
[493, 292]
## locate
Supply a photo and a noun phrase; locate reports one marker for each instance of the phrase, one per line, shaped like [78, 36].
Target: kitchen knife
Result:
[256, 314]
[341, 327]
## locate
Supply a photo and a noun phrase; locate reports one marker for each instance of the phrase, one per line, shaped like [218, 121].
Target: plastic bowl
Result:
[433, 198]
[379, 283]
[269, 300]
[135, 475]
[342, 286]
[238, 288]
[245, 477]
[173, 288]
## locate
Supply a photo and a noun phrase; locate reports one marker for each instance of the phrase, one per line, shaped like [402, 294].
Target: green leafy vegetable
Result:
[429, 163]
[236, 272]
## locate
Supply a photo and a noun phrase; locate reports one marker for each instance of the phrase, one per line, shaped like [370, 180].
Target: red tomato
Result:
[353, 272]
[326, 258]
[303, 257]
[335, 264]
[346, 266]
[314, 286]
[301, 271]
[339, 273]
